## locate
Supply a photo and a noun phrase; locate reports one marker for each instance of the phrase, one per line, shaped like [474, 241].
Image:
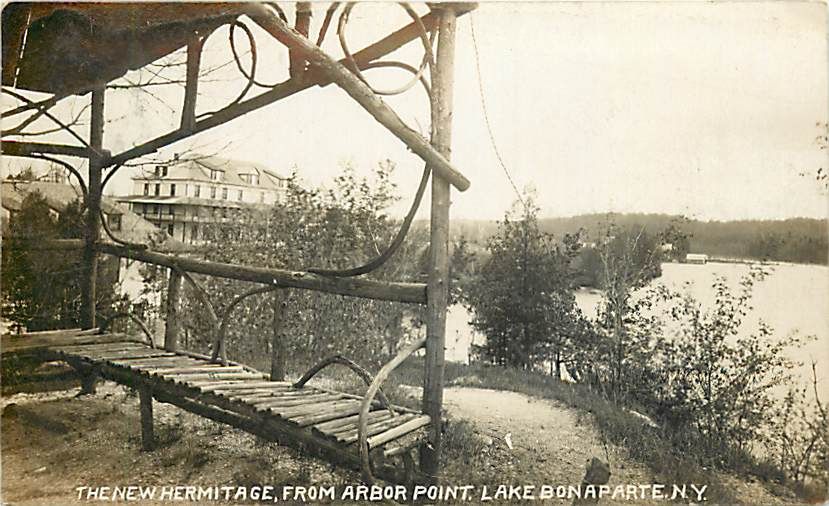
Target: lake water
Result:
[792, 298]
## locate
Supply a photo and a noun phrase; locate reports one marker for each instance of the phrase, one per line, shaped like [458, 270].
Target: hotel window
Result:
[212, 192]
[146, 188]
[157, 190]
[261, 196]
[172, 190]
[241, 195]
[224, 193]
[197, 192]
[170, 229]
[252, 179]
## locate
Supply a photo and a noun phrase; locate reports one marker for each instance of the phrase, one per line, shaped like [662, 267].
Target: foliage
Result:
[40, 288]
[712, 384]
[341, 227]
[625, 261]
[522, 296]
[798, 439]
[718, 378]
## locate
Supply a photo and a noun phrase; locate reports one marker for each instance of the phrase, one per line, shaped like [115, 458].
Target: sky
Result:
[710, 110]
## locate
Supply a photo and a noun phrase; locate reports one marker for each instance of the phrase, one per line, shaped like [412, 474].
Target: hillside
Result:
[52, 444]
[799, 240]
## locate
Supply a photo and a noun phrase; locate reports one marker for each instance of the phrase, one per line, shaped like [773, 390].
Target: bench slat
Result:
[376, 428]
[399, 431]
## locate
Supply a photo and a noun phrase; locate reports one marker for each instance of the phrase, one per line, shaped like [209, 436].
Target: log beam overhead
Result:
[332, 72]
[32, 149]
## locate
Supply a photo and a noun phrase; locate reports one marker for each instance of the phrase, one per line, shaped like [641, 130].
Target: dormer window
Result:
[251, 179]
[161, 171]
[216, 175]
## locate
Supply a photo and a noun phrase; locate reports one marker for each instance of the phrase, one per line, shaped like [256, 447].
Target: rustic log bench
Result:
[319, 421]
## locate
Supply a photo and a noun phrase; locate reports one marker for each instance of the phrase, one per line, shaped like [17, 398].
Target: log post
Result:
[301, 25]
[89, 378]
[172, 323]
[191, 88]
[93, 211]
[145, 399]
[437, 288]
[278, 352]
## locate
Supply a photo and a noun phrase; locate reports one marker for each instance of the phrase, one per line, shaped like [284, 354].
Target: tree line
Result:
[799, 240]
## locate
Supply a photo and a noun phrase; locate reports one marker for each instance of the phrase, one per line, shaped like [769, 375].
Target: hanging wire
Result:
[486, 114]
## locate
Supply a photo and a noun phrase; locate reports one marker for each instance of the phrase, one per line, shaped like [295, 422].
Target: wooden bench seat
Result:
[308, 417]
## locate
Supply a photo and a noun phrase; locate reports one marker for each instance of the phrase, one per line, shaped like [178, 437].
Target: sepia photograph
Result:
[495, 252]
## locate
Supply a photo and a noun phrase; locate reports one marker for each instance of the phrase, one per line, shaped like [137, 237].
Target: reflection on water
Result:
[793, 298]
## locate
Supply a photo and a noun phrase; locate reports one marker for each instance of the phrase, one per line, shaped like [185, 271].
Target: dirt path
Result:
[550, 443]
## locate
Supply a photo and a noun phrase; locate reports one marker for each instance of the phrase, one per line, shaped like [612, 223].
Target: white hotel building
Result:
[185, 195]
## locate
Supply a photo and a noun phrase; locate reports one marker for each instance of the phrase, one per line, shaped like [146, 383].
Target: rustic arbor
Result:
[43, 44]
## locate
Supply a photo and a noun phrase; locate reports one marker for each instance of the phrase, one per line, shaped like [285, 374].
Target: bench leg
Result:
[145, 397]
[89, 377]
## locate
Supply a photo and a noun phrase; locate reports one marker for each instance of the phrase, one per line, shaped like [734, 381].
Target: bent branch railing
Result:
[356, 368]
[365, 407]
[219, 341]
[130, 316]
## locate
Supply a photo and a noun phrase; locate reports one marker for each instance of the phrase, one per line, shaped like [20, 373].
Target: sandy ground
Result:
[549, 437]
[55, 442]
[550, 443]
